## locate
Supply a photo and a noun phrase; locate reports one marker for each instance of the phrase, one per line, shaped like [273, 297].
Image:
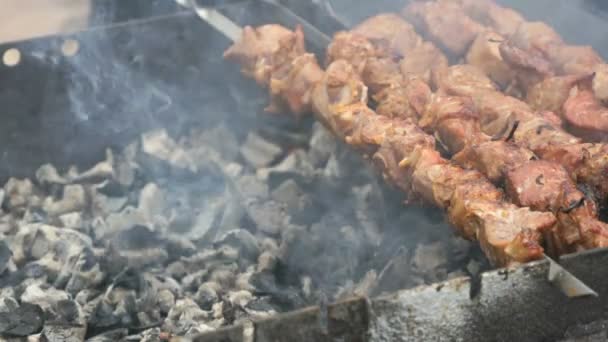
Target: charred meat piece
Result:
[539, 184]
[544, 185]
[494, 159]
[444, 23]
[585, 116]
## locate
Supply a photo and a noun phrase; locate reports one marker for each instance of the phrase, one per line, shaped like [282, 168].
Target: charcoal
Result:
[7, 301]
[299, 204]
[105, 205]
[166, 300]
[193, 280]
[267, 261]
[206, 295]
[65, 322]
[151, 202]
[19, 193]
[177, 270]
[99, 172]
[72, 220]
[45, 297]
[233, 170]
[5, 256]
[159, 145]
[7, 223]
[240, 298]
[117, 222]
[220, 138]
[110, 336]
[322, 145]
[295, 166]
[306, 282]
[208, 218]
[242, 281]
[225, 276]
[150, 335]
[460, 249]
[48, 174]
[269, 216]
[250, 188]
[243, 241]
[363, 288]
[261, 306]
[73, 199]
[25, 320]
[186, 318]
[431, 260]
[178, 246]
[259, 152]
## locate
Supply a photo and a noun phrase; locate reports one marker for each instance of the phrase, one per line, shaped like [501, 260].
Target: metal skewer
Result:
[570, 285]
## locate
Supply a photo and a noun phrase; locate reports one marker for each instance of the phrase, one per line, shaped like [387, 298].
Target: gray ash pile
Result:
[177, 236]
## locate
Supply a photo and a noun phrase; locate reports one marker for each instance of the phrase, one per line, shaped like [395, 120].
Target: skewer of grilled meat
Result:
[540, 131]
[456, 125]
[405, 154]
[528, 59]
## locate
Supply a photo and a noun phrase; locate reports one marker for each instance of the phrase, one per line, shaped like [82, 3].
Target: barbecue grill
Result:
[164, 69]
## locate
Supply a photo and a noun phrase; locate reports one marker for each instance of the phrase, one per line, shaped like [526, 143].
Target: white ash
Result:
[173, 236]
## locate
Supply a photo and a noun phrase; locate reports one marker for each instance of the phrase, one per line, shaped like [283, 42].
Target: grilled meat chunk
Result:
[445, 23]
[552, 93]
[503, 20]
[540, 184]
[275, 56]
[422, 61]
[463, 80]
[389, 33]
[354, 48]
[493, 158]
[600, 82]
[585, 115]
[485, 55]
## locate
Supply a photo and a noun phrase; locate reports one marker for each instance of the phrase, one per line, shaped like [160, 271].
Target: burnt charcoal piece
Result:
[322, 145]
[259, 152]
[110, 336]
[269, 216]
[5, 256]
[242, 240]
[25, 320]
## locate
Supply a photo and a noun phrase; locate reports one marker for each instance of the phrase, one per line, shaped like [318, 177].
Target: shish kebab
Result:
[275, 57]
[528, 57]
[539, 131]
[402, 90]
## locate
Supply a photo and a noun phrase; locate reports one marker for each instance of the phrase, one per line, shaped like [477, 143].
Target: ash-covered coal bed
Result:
[173, 236]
